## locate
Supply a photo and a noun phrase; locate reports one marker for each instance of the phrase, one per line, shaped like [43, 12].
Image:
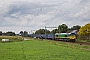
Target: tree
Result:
[62, 28]
[21, 33]
[77, 27]
[42, 31]
[85, 30]
[54, 31]
[4, 34]
[0, 32]
[25, 33]
[9, 33]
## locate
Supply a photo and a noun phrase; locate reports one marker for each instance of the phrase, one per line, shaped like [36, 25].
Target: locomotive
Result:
[68, 37]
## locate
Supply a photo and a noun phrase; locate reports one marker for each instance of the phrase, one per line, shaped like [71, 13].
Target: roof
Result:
[74, 31]
[61, 33]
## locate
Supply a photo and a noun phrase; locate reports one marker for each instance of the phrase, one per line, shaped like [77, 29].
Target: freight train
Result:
[69, 37]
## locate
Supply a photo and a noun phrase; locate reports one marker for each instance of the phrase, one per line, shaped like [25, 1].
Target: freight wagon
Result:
[43, 36]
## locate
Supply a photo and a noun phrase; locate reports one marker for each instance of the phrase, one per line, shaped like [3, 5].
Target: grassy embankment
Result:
[43, 50]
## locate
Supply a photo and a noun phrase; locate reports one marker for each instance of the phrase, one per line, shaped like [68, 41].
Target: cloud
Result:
[28, 8]
[23, 13]
[84, 1]
[85, 13]
[35, 14]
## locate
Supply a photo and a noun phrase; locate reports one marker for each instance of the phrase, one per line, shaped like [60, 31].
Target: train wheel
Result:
[73, 40]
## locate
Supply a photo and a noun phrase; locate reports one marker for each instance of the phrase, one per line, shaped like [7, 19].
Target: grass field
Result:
[43, 50]
[11, 38]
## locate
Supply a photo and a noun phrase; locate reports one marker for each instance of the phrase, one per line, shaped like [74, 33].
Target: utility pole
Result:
[32, 31]
[45, 32]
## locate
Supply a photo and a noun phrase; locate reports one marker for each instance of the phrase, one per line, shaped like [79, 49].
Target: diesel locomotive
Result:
[69, 37]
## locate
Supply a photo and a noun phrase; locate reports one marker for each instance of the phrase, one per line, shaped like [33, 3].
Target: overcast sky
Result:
[27, 15]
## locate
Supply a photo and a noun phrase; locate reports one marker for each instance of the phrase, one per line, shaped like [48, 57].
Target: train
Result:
[68, 37]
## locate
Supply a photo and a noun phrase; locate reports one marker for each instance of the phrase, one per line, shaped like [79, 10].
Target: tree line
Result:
[9, 33]
[83, 32]
[61, 29]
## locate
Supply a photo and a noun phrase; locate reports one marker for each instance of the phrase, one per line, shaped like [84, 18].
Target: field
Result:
[11, 38]
[43, 50]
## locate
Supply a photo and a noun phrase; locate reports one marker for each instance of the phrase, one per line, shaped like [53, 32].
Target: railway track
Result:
[81, 43]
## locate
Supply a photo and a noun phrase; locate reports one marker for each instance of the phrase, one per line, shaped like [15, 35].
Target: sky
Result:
[31, 15]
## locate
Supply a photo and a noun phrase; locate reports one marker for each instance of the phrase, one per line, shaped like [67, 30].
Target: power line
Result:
[51, 27]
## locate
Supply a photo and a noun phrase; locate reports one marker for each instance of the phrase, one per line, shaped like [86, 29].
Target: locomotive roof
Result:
[61, 33]
[74, 31]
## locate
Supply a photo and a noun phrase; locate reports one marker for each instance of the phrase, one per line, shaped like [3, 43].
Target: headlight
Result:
[72, 37]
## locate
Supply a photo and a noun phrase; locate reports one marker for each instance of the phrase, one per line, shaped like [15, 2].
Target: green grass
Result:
[42, 50]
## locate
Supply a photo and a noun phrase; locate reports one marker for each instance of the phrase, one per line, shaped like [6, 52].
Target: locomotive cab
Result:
[73, 37]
